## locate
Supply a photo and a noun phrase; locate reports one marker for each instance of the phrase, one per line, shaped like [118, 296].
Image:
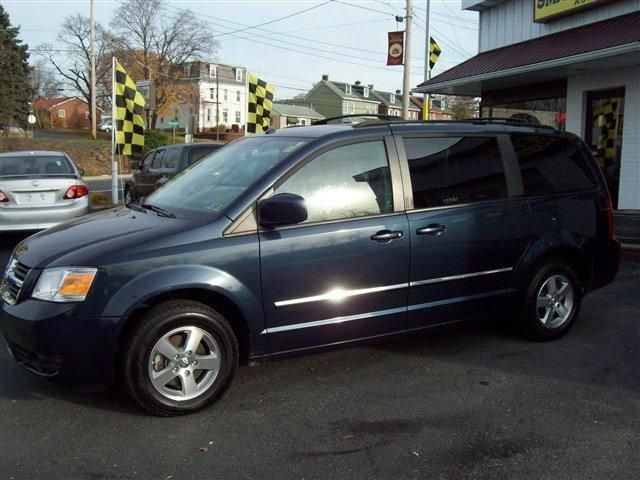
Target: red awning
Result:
[597, 36]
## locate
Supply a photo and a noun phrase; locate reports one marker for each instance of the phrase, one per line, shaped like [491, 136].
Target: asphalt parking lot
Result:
[473, 401]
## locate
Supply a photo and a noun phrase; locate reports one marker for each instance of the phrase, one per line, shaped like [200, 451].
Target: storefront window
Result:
[550, 112]
[603, 134]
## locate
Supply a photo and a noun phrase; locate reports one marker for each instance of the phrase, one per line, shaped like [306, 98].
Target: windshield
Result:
[34, 165]
[212, 183]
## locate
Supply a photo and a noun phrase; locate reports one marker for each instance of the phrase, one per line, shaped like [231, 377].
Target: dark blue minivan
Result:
[313, 237]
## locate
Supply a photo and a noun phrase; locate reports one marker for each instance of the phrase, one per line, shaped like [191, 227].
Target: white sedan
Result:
[39, 190]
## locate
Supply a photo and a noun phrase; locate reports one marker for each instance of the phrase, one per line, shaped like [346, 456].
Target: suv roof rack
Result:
[386, 118]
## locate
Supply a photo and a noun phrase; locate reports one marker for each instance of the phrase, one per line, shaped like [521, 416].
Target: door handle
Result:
[384, 236]
[432, 229]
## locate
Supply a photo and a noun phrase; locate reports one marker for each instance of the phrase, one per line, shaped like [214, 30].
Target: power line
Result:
[277, 19]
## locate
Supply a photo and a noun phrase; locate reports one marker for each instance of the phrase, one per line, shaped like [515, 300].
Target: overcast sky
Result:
[358, 28]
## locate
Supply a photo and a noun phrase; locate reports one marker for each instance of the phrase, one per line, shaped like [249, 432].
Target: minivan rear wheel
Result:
[552, 300]
[180, 357]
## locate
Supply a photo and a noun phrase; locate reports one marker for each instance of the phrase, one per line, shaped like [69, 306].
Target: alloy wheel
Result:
[555, 301]
[184, 363]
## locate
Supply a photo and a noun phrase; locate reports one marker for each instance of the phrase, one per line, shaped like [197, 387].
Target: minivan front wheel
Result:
[552, 300]
[181, 356]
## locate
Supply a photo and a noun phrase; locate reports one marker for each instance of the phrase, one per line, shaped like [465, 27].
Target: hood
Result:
[86, 240]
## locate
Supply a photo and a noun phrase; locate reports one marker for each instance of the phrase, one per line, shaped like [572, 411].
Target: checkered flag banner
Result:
[260, 102]
[129, 109]
[434, 52]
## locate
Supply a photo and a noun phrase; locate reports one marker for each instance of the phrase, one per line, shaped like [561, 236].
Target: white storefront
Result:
[573, 65]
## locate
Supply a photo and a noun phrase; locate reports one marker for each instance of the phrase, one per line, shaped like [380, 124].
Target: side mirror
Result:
[135, 165]
[282, 209]
[81, 172]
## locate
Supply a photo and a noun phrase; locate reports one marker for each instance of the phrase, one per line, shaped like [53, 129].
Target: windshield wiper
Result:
[160, 211]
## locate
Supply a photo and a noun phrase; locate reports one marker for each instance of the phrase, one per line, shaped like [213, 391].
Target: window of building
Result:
[238, 98]
[551, 165]
[171, 158]
[86, 115]
[208, 114]
[212, 70]
[225, 116]
[346, 182]
[349, 108]
[212, 93]
[347, 89]
[392, 98]
[224, 94]
[238, 119]
[550, 112]
[303, 121]
[187, 70]
[239, 74]
[454, 170]
[62, 113]
[365, 92]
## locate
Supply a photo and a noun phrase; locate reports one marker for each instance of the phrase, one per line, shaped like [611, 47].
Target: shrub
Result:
[153, 139]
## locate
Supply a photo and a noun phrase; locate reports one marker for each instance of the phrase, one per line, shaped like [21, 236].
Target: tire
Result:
[128, 196]
[541, 318]
[175, 321]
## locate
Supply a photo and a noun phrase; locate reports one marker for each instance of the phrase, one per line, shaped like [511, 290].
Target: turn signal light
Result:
[3, 197]
[76, 191]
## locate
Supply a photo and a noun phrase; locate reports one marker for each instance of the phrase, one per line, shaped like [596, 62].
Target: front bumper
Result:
[52, 340]
[38, 218]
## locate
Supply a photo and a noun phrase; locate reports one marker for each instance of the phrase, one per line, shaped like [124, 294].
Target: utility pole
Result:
[406, 83]
[427, 54]
[92, 80]
[217, 105]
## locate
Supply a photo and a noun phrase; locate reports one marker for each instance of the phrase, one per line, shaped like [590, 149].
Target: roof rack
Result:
[475, 121]
[386, 118]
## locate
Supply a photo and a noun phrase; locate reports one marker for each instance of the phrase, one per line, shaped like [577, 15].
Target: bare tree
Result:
[73, 61]
[44, 81]
[156, 43]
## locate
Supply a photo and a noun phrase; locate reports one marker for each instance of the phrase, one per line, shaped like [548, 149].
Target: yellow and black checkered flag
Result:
[129, 109]
[434, 52]
[260, 102]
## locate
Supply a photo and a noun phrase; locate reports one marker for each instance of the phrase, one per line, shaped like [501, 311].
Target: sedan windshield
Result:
[35, 165]
[215, 181]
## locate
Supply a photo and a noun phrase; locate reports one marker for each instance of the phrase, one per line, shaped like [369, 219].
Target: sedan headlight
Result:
[70, 284]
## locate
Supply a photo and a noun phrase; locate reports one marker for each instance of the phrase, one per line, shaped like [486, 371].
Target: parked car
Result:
[162, 164]
[39, 190]
[308, 238]
[105, 125]
[12, 131]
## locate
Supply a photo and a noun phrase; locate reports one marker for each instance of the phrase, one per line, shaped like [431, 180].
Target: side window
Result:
[171, 158]
[453, 170]
[346, 182]
[146, 161]
[157, 160]
[197, 153]
[551, 165]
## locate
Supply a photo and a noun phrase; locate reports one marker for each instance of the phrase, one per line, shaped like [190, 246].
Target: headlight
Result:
[64, 284]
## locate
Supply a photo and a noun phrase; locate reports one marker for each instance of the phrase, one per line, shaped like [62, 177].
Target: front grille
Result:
[13, 280]
[45, 365]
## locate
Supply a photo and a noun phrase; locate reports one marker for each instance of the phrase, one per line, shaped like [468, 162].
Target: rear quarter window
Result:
[197, 153]
[551, 165]
[454, 170]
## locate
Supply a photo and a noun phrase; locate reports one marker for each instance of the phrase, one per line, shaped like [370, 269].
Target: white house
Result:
[219, 97]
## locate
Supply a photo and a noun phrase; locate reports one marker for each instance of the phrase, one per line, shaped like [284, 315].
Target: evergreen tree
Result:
[14, 74]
